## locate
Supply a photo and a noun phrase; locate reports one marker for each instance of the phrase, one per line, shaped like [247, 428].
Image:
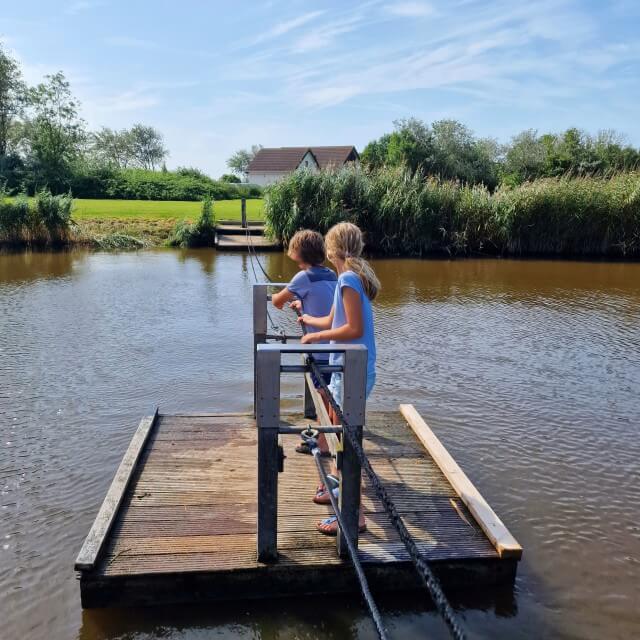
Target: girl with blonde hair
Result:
[350, 321]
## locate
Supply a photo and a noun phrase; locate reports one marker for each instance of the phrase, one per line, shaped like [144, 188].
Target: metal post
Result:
[268, 420]
[309, 407]
[354, 381]
[259, 330]
[243, 210]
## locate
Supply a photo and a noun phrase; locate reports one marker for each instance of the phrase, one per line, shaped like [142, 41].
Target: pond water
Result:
[529, 372]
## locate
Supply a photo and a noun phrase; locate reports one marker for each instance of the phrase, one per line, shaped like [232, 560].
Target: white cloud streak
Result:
[81, 5]
[410, 9]
[515, 51]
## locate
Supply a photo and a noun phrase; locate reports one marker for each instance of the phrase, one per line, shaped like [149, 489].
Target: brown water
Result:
[528, 371]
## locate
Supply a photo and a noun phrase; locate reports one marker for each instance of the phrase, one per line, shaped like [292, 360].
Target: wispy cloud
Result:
[518, 51]
[410, 9]
[128, 42]
[324, 35]
[282, 28]
[82, 5]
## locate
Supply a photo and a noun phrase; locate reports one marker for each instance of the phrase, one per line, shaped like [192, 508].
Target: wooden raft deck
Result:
[179, 522]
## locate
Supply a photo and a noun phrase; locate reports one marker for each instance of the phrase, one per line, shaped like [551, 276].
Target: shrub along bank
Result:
[140, 184]
[403, 213]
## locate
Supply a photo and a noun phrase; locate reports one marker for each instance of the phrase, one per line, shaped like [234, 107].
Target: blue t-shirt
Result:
[315, 288]
[368, 339]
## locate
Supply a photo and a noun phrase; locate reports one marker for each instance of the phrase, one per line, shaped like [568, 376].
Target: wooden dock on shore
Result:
[218, 506]
[236, 237]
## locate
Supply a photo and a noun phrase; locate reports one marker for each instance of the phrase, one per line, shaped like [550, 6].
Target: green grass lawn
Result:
[159, 210]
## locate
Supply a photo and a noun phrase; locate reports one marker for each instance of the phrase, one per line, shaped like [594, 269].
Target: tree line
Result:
[45, 143]
[449, 149]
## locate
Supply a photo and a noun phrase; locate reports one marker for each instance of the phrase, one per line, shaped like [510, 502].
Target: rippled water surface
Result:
[528, 371]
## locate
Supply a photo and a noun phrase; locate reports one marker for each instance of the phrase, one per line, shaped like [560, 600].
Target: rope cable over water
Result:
[351, 547]
[422, 567]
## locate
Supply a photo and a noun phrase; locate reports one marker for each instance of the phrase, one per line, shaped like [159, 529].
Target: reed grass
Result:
[201, 233]
[43, 220]
[405, 214]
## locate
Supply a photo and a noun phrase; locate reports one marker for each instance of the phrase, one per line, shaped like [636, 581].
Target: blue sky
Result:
[217, 76]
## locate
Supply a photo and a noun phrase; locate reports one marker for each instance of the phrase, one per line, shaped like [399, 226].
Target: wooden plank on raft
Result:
[104, 520]
[322, 415]
[506, 545]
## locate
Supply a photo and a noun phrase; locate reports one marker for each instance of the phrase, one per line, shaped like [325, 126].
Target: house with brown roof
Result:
[269, 165]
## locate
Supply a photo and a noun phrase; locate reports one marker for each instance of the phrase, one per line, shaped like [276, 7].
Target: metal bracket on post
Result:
[259, 331]
[354, 384]
[268, 420]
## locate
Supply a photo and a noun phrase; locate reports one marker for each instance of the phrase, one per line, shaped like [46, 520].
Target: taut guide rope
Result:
[353, 551]
[428, 577]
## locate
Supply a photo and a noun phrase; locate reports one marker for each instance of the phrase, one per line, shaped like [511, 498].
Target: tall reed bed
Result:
[406, 214]
[43, 220]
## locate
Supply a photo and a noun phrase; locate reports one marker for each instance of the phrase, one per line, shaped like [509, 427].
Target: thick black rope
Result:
[353, 551]
[431, 582]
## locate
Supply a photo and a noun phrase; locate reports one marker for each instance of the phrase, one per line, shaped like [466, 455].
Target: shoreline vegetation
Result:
[58, 222]
[406, 214]
[402, 214]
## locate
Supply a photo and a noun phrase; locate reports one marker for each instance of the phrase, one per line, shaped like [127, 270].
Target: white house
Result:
[269, 165]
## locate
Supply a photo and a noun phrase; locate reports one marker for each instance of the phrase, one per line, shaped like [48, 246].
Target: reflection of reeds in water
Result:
[406, 214]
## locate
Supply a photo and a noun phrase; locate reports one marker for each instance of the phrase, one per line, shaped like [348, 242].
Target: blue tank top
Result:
[368, 339]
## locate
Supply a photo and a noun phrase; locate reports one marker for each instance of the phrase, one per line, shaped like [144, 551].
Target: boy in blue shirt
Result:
[311, 291]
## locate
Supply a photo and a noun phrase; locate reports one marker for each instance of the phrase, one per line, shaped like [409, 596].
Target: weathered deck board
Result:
[188, 518]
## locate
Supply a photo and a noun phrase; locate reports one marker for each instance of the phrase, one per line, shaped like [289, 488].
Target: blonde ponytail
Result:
[344, 241]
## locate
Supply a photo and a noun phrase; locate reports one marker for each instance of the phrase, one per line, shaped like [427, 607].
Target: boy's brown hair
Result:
[309, 245]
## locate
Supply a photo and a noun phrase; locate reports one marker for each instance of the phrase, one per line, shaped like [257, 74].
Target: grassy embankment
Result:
[48, 220]
[405, 214]
[151, 221]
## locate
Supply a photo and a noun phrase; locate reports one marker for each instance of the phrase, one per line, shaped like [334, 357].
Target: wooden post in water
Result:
[243, 211]
[268, 420]
[354, 383]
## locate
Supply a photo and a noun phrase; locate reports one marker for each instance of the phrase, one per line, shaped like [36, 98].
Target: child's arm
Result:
[323, 322]
[282, 297]
[352, 329]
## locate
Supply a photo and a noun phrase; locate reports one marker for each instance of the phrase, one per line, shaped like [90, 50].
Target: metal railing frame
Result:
[268, 367]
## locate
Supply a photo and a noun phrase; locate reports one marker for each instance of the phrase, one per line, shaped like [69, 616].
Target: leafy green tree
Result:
[524, 158]
[461, 156]
[147, 146]
[54, 132]
[12, 94]
[193, 172]
[412, 145]
[112, 148]
[374, 155]
[447, 148]
[229, 177]
[239, 161]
